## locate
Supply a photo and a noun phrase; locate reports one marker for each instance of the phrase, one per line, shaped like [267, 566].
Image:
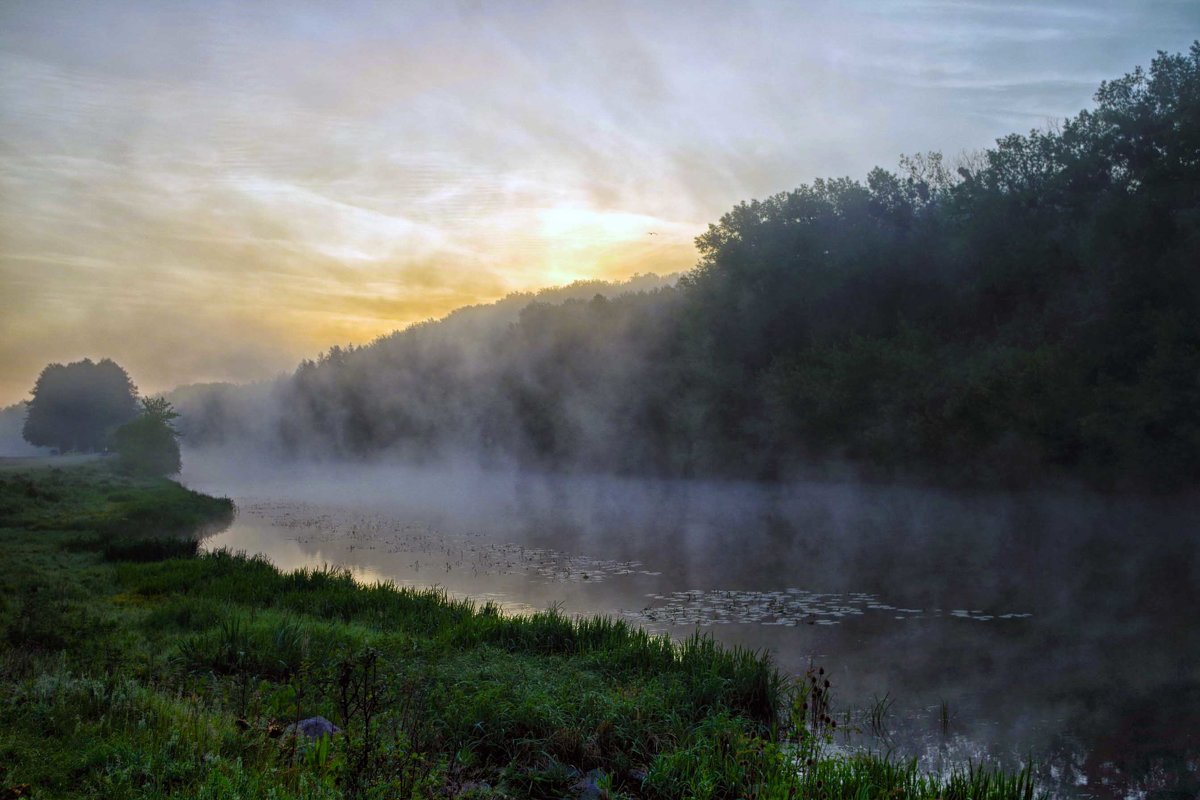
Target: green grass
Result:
[131, 666]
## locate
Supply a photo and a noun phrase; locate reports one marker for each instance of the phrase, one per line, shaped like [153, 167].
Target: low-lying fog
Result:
[1001, 625]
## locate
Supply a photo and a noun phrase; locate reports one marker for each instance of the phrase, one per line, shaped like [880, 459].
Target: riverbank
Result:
[132, 667]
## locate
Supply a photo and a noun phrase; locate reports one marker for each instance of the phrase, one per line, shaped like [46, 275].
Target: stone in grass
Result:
[588, 787]
[312, 728]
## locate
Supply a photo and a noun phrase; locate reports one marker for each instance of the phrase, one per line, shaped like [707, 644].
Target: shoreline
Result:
[174, 675]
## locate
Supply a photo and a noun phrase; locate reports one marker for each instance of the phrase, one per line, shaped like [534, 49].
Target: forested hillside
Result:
[1029, 310]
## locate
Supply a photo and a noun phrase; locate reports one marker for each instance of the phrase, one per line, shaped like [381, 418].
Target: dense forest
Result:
[1031, 309]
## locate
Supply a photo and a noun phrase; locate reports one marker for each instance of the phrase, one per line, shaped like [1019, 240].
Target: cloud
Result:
[213, 190]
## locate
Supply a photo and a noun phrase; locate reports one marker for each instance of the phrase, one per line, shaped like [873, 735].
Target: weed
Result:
[877, 719]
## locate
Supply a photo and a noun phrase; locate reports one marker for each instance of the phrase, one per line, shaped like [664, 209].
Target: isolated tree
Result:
[149, 444]
[78, 406]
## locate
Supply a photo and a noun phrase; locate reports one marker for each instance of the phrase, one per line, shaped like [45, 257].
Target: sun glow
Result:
[231, 182]
[581, 242]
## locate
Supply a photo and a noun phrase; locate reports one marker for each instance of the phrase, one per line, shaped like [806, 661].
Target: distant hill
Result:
[1024, 313]
[249, 414]
[494, 316]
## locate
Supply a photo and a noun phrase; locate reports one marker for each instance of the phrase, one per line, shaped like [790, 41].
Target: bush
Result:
[148, 445]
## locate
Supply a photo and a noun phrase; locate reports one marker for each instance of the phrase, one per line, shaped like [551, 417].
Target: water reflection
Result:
[1051, 626]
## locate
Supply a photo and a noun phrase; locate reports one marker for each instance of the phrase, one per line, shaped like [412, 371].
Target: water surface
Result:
[1057, 626]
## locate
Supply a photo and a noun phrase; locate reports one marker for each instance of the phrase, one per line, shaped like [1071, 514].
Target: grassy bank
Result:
[132, 667]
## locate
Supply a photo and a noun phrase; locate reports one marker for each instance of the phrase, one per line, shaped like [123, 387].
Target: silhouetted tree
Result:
[78, 406]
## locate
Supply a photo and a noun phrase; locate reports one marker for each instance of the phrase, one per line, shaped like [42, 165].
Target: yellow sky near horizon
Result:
[212, 191]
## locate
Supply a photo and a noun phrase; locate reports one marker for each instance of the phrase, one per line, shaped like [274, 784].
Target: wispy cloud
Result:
[213, 190]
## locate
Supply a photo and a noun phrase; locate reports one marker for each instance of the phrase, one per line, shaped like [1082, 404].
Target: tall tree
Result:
[79, 405]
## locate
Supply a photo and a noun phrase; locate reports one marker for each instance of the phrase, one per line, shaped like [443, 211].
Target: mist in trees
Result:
[12, 439]
[1027, 310]
[78, 406]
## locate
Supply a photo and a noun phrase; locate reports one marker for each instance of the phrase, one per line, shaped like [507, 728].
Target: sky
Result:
[213, 190]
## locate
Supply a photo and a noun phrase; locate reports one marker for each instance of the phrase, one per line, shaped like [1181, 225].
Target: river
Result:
[1053, 626]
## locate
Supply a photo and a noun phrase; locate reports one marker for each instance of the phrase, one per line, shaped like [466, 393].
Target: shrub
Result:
[149, 445]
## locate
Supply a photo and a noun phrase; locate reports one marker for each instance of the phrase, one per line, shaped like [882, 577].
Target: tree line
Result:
[1029, 310]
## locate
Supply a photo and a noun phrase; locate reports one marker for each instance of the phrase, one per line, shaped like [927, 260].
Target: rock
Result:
[312, 728]
[588, 788]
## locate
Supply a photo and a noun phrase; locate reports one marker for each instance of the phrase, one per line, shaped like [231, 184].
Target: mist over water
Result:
[758, 398]
[1004, 626]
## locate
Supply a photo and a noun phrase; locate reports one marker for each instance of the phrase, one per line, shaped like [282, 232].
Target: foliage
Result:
[148, 445]
[79, 405]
